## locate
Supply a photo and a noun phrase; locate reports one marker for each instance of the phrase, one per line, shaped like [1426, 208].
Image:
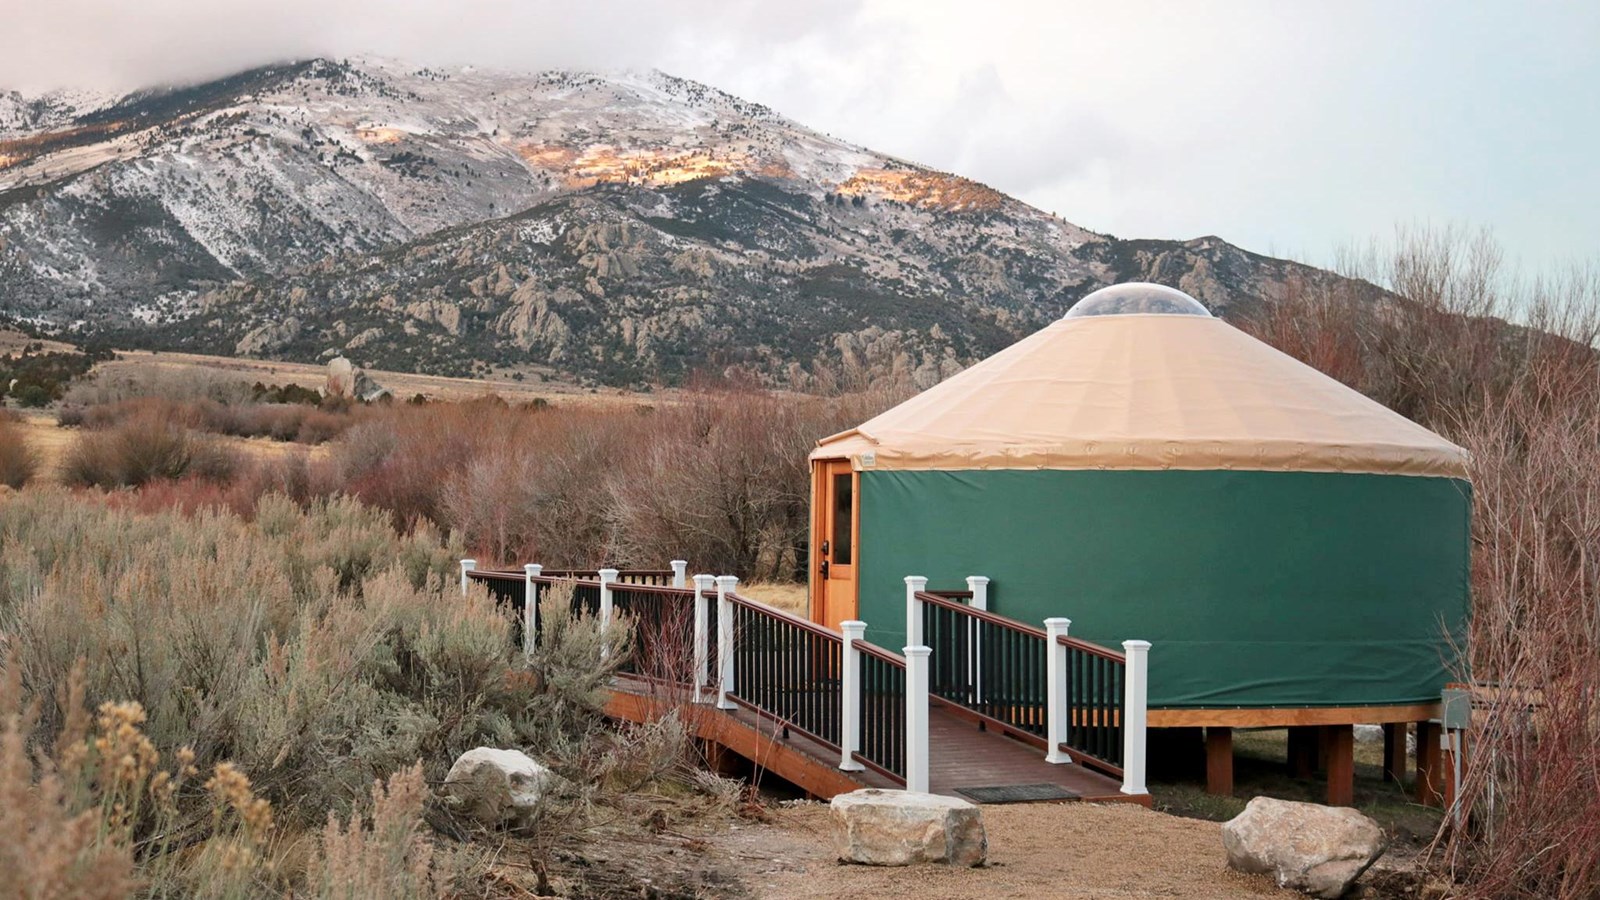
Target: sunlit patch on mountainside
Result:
[928, 190]
[376, 134]
[655, 167]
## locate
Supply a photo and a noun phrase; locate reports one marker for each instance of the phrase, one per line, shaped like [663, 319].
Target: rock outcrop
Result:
[900, 828]
[497, 787]
[1318, 850]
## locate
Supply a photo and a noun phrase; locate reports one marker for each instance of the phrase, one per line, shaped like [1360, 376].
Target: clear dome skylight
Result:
[1137, 298]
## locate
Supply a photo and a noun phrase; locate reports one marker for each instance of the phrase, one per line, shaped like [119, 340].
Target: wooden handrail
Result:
[983, 615]
[1093, 649]
[782, 616]
[1000, 621]
[570, 574]
[562, 578]
[888, 656]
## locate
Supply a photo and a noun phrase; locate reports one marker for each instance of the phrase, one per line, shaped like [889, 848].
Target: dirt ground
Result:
[1067, 850]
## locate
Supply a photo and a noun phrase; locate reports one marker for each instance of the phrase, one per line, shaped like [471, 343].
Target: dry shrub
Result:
[143, 449]
[19, 463]
[79, 810]
[277, 421]
[276, 644]
[720, 478]
[293, 658]
[180, 384]
[391, 859]
[1525, 402]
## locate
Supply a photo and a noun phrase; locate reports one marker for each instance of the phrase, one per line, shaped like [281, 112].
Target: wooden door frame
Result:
[819, 487]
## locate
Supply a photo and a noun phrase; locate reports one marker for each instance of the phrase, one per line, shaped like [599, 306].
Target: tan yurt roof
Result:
[1169, 389]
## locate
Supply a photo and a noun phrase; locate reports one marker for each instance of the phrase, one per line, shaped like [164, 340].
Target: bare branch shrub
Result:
[1506, 367]
[19, 463]
[143, 449]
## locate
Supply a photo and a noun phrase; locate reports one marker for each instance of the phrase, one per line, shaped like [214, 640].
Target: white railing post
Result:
[1135, 706]
[467, 565]
[979, 586]
[530, 610]
[1055, 673]
[917, 718]
[914, 583]
[725, 586]
[702, 633]
[850, 695]
[608, 577]
[680, 568]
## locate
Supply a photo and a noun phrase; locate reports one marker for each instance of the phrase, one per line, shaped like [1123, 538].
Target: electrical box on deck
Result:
[1457, 708]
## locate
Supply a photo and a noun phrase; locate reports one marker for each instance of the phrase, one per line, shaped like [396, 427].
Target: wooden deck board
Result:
[960, 755]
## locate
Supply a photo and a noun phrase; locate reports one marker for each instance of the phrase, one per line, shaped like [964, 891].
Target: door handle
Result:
[824, 569]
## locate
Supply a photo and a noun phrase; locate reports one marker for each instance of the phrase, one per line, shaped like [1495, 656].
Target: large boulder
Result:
[898, 828]
[1318, 850]
[497, 787]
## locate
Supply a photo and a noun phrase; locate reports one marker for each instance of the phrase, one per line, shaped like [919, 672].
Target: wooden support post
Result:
[914, 585]
[1219, 760]
[1394, 752]
[917, 718]
[850, 695]
[703, 585]
[530, 611]
[1056, 711]
[1303, 750]
[1448, 761]
[1135, 717]
[1323, 736]
[726, 584]
[1430, 766]
[1341, 745]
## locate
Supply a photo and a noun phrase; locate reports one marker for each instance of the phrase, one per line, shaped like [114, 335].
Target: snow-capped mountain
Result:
[630, 227]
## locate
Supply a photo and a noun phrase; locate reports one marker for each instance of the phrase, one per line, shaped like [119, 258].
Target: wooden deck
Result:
[960, 755]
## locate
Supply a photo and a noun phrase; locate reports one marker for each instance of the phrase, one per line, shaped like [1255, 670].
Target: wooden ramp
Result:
[961, 756]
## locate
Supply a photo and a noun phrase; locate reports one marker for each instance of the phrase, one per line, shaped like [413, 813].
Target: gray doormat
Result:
[1017, 793]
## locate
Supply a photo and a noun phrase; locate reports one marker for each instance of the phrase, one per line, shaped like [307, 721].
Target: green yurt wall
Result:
[1256, 588]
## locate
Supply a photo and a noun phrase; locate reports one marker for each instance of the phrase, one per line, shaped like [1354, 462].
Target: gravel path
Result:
[1071, 850]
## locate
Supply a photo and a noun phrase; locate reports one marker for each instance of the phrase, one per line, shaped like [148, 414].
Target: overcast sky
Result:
[1286, 127]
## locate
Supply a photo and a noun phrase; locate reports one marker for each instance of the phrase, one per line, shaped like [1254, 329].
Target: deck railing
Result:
[639, 593]
[1079, 701]
[891, 739]
[787, 669]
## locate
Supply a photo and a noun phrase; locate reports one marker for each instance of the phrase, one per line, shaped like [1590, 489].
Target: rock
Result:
[496, 787]
[899, 828]
[268, 338]
[341, 381]
[1369, 734]
[1318, 850]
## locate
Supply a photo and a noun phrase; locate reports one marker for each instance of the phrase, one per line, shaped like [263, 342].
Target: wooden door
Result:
[834, 560]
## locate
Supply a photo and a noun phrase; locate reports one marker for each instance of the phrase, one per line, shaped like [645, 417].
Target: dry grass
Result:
[140, 365]
[787, 596]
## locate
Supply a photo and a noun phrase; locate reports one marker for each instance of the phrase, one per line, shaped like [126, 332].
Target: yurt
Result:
[1151, 472]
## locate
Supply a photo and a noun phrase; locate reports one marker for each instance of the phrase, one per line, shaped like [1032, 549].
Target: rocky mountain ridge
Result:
[631, 228]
